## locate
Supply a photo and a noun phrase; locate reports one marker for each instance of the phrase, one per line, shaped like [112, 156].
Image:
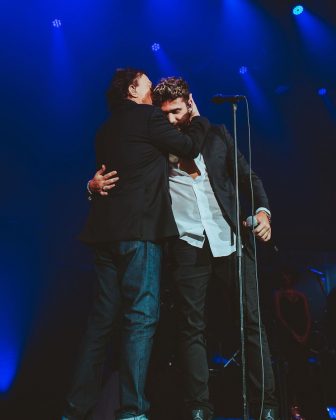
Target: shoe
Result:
[270, 414]
[200, 414]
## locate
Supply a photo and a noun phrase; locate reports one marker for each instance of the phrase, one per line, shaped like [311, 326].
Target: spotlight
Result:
[56, 23]
[243, 70]
[156, 47]
[297, 10]
[322, 91]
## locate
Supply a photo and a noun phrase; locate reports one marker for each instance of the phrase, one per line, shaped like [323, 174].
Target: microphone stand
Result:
[219, 99]
[239, 255]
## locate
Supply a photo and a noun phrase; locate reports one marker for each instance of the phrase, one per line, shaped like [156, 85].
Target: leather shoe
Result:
[270, 414]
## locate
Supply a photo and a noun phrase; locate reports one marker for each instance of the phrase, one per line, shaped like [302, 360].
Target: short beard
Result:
[184, 123]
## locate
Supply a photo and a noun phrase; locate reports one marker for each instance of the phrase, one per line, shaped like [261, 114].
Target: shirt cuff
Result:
[90, 196]
[263, 209]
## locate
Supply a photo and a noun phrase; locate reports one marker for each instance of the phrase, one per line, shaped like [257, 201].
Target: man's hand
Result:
[101, 184]
[263, 230]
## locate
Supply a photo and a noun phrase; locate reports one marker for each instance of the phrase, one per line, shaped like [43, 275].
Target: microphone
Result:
[220, 98]
[252, 223]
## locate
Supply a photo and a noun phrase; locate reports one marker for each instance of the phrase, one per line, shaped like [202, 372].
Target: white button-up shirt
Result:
[196, 211]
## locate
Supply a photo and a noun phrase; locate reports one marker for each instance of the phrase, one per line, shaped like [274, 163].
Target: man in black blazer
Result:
[207, 248]
[203, 199]
[125, 229]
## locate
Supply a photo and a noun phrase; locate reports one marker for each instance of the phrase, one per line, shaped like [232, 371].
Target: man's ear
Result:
[132, 93]
[189, 103]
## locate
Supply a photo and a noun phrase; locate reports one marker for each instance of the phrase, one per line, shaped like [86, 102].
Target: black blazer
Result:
[135, 141]
[218, 154]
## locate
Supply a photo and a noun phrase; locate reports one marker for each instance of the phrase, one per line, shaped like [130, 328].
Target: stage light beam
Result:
[281, 89]
[331, 412]
[322, 91]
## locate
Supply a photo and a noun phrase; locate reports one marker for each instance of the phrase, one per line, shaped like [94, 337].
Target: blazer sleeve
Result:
[259, 193]
[167, 138]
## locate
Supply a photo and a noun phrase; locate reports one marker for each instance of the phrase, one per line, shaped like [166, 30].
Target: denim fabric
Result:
[128, 274]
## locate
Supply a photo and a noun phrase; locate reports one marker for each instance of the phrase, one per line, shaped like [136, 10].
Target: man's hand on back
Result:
[101, 184]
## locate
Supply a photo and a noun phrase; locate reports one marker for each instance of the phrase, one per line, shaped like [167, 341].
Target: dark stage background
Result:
[54, 75]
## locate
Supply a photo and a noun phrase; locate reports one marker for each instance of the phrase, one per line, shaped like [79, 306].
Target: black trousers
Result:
[192, 270]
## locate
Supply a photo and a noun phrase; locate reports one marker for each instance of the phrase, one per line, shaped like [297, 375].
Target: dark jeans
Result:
[128, 275]
[192, 269]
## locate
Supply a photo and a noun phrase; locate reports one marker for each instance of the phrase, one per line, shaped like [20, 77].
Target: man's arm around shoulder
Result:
[166, 137]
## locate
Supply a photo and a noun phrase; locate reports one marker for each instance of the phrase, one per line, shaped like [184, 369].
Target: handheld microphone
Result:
[252, 223]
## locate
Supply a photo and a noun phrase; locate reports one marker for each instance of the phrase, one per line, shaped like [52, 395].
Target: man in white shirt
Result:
[203, 203]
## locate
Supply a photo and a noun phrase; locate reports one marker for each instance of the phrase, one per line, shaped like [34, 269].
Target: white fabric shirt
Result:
[196, 211]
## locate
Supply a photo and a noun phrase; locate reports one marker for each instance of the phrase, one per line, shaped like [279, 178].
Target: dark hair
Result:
[170, 88]
[121, 81]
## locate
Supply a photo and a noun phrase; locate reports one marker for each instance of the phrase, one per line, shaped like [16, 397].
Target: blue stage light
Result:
[156, 47]
[219, 360]
[9, 356]
[243, 70]
[57, 23]
[297, 10]
[315, 271]
[322, 91]
[332, 412]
